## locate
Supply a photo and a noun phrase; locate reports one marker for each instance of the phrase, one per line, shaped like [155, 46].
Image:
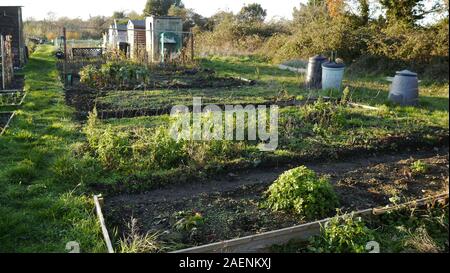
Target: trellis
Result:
[87, 52]
[6, 61]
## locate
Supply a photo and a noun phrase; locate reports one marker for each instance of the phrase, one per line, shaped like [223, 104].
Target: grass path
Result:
[42, 205]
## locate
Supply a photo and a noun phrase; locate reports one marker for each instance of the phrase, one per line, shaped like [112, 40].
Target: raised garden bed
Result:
[230, 207]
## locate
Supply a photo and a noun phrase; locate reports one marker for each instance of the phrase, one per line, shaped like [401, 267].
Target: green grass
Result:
[40, 212]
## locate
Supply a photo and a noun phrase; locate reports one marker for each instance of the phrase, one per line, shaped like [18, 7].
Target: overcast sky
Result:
[84, 8]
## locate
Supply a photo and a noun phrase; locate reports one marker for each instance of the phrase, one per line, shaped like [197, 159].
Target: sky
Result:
[39, 9]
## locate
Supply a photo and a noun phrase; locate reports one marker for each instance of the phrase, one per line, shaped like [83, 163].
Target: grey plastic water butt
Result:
[405, 88]
[314, 74]
[332, 75]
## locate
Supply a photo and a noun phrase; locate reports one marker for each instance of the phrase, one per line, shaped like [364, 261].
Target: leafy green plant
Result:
[90, 76]
[189, 222]
[118, 73]
[419, 167]
[300, 190]
[342, 234]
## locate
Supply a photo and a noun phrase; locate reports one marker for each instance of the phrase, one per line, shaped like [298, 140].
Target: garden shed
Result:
[164, 33]
[117, 36]
[136, 38]
[11, 24]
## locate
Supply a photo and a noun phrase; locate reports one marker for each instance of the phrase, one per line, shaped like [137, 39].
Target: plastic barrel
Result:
[405, 89]
[332, 75]
[314, 74]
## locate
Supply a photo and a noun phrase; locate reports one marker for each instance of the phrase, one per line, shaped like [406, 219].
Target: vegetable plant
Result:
[301, 191]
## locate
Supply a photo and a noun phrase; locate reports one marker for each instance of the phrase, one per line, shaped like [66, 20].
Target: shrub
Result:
[300, 190]
[118, 73]
[345, 234]
[156, 149]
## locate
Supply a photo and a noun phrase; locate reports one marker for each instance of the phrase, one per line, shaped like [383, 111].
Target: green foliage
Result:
[188, 221]
[300, 190]
[160, 7]
[233, 35]
[135, 242]
[419, 167]
[252, 13]
[114, 74]
[324, 116]
[342, 234]
[406, 11]
[23, 173]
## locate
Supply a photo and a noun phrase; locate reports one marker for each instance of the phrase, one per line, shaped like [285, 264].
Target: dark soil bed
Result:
[230, 206]
[84, 100]
[173, 79]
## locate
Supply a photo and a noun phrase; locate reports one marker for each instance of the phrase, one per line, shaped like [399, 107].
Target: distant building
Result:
[164, 37]
[11, 24]
[136, 38]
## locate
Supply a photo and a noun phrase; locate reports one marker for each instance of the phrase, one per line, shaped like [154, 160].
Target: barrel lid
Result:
[333, 65]
[406, 73]
[318, 58]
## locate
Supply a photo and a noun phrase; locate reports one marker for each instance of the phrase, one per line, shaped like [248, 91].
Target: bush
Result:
[342, 235]
[114, 74]
[301, 191]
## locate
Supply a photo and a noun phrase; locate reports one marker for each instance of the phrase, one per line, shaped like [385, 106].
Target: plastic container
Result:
[314, 74]
[332, 75]
[405, 89]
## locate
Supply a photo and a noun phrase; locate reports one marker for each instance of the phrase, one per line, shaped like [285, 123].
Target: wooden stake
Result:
[97, 200]
[65, 56]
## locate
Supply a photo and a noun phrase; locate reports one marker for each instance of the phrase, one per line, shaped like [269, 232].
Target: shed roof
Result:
[137, 23]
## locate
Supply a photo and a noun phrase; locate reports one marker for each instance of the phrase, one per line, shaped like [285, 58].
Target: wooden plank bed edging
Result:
[260, 242]
[98, 208]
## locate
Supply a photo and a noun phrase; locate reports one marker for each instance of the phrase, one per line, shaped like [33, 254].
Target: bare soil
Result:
[230, 205]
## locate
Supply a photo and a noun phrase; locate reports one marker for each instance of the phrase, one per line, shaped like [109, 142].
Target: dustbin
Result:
[405, 88]
[314, 74]
[332, 75]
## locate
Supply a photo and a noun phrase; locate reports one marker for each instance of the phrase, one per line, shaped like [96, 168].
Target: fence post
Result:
[65, 56]
[2, 45]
